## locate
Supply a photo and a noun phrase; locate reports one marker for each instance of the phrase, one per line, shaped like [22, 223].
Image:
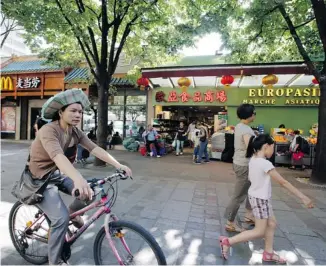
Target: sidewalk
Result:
[183, 205]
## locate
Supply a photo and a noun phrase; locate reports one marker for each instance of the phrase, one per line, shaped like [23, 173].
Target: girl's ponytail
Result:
[256, 143]
[250, 149]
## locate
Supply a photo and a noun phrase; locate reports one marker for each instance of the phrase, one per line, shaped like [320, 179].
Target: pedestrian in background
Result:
[181, 137]
[242, 134]
[203, 142]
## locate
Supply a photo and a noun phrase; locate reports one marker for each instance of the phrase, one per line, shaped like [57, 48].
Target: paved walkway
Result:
[183, 204]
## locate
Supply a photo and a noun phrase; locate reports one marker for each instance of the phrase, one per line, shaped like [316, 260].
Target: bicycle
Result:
[37, 228]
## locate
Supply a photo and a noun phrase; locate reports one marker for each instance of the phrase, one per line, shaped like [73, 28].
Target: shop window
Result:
[118, 100]
[88, 120]
[136, 100]
[135, 118]
[8, 120]
[115, 115]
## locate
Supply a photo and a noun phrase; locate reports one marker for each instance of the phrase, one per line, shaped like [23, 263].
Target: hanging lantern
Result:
[184, 83]
[143, 82]
[227, 80]
[315, 81]
[270, 80]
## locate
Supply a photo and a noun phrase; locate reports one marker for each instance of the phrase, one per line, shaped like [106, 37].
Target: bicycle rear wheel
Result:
[32, 250]
[144, 250]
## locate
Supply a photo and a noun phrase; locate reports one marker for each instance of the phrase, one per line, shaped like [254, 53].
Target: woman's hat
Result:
[56, 102]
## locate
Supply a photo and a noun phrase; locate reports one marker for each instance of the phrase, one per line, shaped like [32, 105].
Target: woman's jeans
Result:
[203, 150]
[196, 151]
[79, 152]
[179, 146]
[57, 212]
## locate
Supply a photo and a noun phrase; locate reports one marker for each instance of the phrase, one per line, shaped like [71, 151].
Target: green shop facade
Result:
[282, 93]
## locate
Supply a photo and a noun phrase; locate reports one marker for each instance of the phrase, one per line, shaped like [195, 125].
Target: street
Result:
[183, 204]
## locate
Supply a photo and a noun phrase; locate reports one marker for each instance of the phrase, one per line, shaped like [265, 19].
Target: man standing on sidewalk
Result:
[203, 142]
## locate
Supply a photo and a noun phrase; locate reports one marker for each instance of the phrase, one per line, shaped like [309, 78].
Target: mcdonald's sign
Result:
[6, 84]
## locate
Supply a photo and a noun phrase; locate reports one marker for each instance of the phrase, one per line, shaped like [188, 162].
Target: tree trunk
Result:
[319, 168]
[102, 112]
[124, 113]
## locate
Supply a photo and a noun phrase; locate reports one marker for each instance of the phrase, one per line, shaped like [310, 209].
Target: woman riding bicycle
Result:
[47, 155]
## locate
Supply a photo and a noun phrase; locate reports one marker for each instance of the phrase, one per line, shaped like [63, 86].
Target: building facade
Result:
[27, 82]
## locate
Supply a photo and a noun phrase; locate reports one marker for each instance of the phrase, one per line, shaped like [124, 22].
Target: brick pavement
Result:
[182, 204]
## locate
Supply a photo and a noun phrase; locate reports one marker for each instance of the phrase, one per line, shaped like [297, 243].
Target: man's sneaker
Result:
[158, 156]
[207, 161]
[181, 153]
[197, 162]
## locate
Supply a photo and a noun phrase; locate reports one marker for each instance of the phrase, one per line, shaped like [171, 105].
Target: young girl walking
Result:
[261, 171]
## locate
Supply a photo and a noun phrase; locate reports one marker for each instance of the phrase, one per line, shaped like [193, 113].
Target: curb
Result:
[16, 141]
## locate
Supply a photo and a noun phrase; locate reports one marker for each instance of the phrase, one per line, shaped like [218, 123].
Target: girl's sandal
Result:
[233, 228]
[249, 221]
[273, 257]
[224, 242]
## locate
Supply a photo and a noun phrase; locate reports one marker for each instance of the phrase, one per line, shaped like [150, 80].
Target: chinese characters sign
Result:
[28, 83]
[210, 96]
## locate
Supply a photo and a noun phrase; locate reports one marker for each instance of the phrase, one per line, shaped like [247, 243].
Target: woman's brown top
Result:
[50, 141]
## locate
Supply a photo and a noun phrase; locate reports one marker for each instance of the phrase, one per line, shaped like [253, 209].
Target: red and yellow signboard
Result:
[210, 96]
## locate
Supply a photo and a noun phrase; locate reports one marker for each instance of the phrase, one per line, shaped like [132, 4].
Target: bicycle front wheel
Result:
[134, 245]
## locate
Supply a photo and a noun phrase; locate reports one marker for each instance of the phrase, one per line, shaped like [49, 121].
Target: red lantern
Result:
[143, 82]
[227, 80]
[315, 81]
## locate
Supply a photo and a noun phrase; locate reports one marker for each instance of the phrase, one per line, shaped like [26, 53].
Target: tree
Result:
[102, 29]
[7, 26]
[274, 30]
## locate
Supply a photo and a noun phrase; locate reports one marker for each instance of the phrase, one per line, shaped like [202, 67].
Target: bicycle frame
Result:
[103, 210]
[70, 240]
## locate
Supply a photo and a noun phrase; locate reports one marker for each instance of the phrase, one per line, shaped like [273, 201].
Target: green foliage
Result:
[255, 31]
[155, 36]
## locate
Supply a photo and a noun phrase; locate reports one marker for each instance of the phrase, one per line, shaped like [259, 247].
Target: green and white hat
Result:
[56, 102]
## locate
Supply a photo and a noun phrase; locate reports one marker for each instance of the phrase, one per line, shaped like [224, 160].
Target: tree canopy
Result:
[255, 31]
[156, 29]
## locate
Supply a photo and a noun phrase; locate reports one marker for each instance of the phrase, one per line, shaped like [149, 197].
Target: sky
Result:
[206, 45]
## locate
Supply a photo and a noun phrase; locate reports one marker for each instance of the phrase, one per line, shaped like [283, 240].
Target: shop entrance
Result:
[34, 113]
[190, 113]
[168, 119]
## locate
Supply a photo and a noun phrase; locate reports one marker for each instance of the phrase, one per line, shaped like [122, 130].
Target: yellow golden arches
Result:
[6, 84]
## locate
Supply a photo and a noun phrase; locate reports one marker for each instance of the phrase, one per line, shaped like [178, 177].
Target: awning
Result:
[246, 75]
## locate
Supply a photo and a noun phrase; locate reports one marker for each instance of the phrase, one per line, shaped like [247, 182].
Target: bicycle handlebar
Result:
[121, 174]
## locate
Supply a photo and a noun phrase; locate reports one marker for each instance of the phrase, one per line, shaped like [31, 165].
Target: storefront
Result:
[26, 84]
[282, 94]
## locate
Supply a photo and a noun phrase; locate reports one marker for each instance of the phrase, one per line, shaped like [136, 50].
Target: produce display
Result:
[313, 134]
